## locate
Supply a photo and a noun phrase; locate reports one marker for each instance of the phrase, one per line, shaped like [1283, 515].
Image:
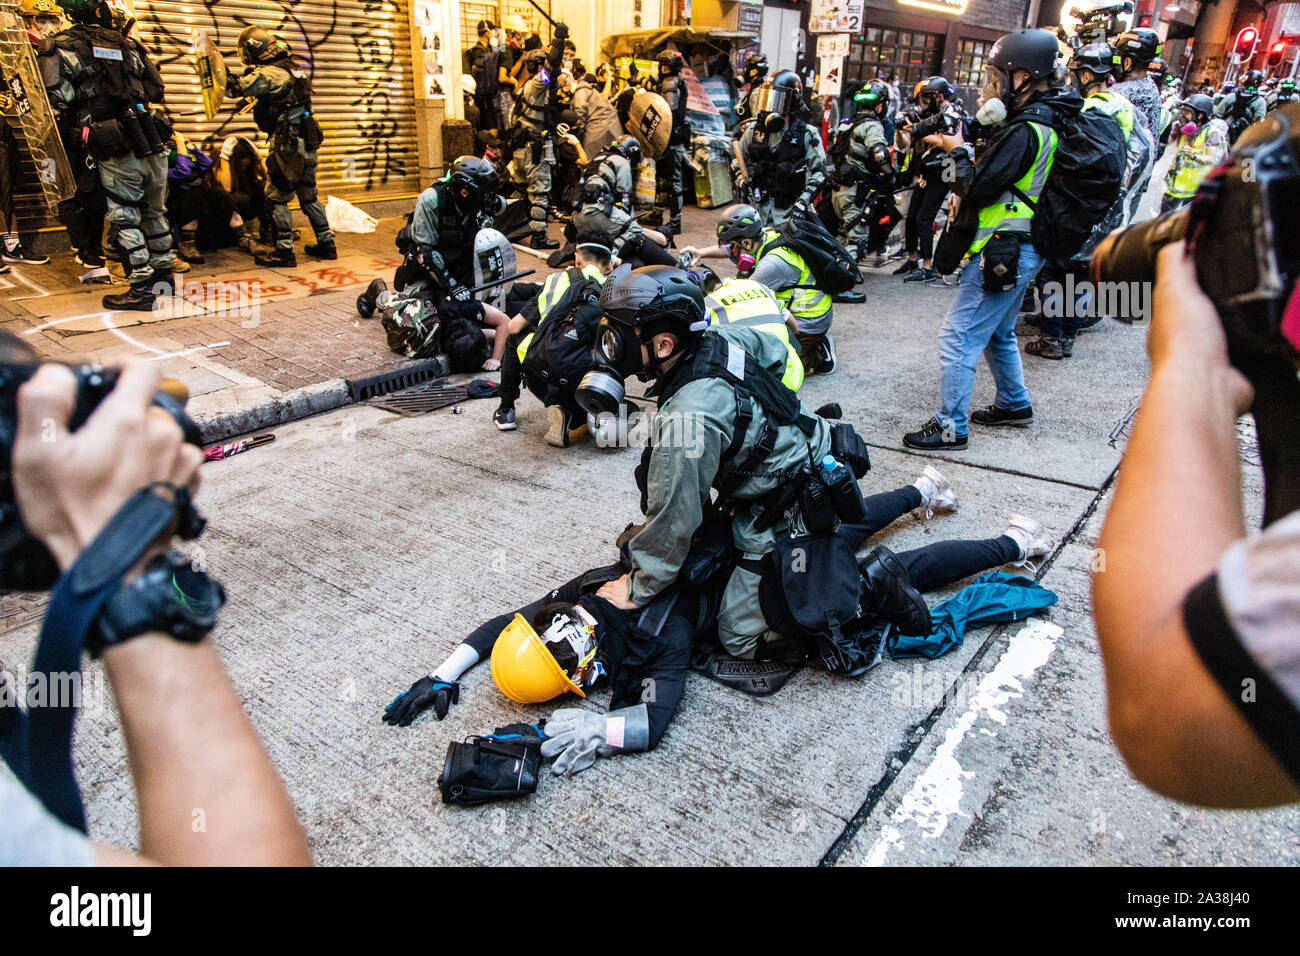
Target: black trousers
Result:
[647, 253]
[918, 230]
[935, 565]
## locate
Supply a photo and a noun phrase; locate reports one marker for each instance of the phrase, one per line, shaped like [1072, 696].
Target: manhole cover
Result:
[420, 399]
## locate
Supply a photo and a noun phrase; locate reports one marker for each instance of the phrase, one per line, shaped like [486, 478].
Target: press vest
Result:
[744, 302]
[804, 299]
[1188, 176]
[1115, 106]
[1009, 214]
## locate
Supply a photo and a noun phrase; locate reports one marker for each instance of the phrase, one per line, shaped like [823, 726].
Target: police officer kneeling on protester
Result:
[432, 310]
[990, 238]
[102, 83]
[785, 478]
[630, 241]
[550, 343]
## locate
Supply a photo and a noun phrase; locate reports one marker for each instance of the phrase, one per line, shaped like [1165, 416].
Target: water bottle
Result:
[844, 490]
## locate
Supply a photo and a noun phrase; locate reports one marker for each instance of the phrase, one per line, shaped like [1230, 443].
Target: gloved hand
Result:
[570, 139]
[232, 85]
[460, 293]
[801, 207]
[573, 737]
[561, 31]
[419, 697]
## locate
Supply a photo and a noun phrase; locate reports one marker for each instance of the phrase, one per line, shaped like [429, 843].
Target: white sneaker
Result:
[1032, 537]
[943, 498]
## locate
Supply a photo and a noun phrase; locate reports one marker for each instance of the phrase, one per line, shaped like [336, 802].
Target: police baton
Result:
[543, 13]
[496, 282]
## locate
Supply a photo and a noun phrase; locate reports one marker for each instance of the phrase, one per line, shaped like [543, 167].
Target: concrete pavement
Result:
[361, 547]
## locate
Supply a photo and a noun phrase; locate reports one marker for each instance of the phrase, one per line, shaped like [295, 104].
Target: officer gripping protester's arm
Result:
[532, 134]
[782, 155]
[103, 99]
[283, 111]
[432, 310]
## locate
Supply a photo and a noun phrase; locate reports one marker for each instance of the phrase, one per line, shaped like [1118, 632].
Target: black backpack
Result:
[560, 353]
[486, 80]
[833, 267]
[1085, 180]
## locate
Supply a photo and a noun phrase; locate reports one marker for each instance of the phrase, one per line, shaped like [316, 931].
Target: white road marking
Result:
[41, 291]
[935, 795]
[189, 351]
[71, 318]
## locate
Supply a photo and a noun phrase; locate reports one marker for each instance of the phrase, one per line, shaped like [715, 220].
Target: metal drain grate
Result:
[408, 376]
[420, 399]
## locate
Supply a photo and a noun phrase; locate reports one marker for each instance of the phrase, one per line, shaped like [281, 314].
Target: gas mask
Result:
[991, 112]
[617, 356]
[774, 124]
[744, 260]
[929, 104]
[1190, 126]
[44, 26]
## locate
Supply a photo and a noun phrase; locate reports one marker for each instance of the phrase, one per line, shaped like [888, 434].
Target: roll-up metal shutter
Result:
[358, 55]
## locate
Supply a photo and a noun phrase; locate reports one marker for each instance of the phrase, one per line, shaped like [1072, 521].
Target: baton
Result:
[496, 282]
[543, 13]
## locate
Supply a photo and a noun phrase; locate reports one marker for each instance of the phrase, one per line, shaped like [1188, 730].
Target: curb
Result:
[291, 406]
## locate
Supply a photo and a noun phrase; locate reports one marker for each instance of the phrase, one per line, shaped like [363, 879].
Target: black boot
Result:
[138, 298]
[888, 593]
[541, 241]
[321, 250]
[276, 257]
[369, 300]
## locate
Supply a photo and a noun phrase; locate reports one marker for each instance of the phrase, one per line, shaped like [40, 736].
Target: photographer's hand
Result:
[68, 484]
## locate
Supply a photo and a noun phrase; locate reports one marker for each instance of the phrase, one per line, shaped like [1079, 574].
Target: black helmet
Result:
[82, 11]
[1097, 58]
[1157, 68]
[934, 86]
[670, 62]
[871, 95]
[704, 277]
[476, 175]
[781, 94]
[486, 26]
[578, 68]
[260, 45]
[755, 68]
[1201, 103]
[1252, 80]
[740, 222]
[533, 60]
[630, 148]
[655, 299]
[1033, 51]
[595, 189]
[1142, 45]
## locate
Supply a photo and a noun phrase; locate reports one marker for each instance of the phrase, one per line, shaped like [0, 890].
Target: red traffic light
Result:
[1275, 53]
[1245, 45]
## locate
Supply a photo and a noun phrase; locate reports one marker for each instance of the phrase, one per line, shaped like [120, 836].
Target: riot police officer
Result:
[617, 165]
[783, 154]
[533, 133]
[752, 75]
[863, 169]
[100, 84]
[283, 112]
[672, 88]
[1242, 107]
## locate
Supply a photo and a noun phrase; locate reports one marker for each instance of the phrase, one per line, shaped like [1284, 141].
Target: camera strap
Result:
[36, 743]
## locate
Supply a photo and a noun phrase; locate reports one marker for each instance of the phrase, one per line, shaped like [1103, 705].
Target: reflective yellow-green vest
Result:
[1194, 159]
[744, 302]
[1010, 213]
[553, 290]
[1112, 104]
[804, 299]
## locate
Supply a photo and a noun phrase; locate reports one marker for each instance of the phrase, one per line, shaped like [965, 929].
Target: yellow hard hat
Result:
[514, 23]
[523, 668]
[35, 8]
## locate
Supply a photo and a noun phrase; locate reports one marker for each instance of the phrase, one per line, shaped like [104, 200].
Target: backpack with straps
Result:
[833, 267]
[1084, 182]
[560, 353]
[486, 76]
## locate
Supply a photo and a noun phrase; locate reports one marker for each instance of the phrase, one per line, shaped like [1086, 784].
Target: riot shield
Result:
[212, 71]
[651, 122]
[494, 258]
[32, 114]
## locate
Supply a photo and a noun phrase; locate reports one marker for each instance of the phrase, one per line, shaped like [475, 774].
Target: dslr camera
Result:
[1243, 235]
[25, 563]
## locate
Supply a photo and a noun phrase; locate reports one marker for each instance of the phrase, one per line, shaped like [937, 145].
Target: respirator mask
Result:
[744, 261]
[1190, 126]
[616, 356]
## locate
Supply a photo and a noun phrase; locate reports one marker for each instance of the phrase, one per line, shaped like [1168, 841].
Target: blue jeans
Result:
[985, 322]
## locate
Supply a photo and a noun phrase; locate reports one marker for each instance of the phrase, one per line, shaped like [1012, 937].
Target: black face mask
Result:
[617, 356]
[774, 123]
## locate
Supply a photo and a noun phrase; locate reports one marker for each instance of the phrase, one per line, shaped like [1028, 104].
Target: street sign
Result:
[835, 16]
[833, 45]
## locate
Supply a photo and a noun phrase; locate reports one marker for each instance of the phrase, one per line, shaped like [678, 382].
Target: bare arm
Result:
[1177, 508]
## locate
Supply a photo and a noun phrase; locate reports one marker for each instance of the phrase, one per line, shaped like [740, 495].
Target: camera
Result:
[1243, 235]
[1097, 22]
[942, 122]
[25, 563]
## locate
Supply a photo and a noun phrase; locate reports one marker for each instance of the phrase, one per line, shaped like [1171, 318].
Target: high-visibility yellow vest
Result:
[553, 290]
[804, 299]
[1010, 213]
[745, 302]
[1186, 173]
[1112, 104]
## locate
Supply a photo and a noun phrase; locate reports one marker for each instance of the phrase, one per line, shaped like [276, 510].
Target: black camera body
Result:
[942, 122]
[25, 563]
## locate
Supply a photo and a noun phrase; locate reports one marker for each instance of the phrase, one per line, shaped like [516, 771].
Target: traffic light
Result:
[1245, 45]
[1275, 53]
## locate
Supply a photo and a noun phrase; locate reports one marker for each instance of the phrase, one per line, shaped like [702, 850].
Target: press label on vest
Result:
[106, 53]
[736, 360]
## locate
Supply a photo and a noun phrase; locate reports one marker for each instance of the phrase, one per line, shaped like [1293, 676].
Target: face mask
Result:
[1188, 129]
[774, 123]
[991, 112]
[617, 355]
